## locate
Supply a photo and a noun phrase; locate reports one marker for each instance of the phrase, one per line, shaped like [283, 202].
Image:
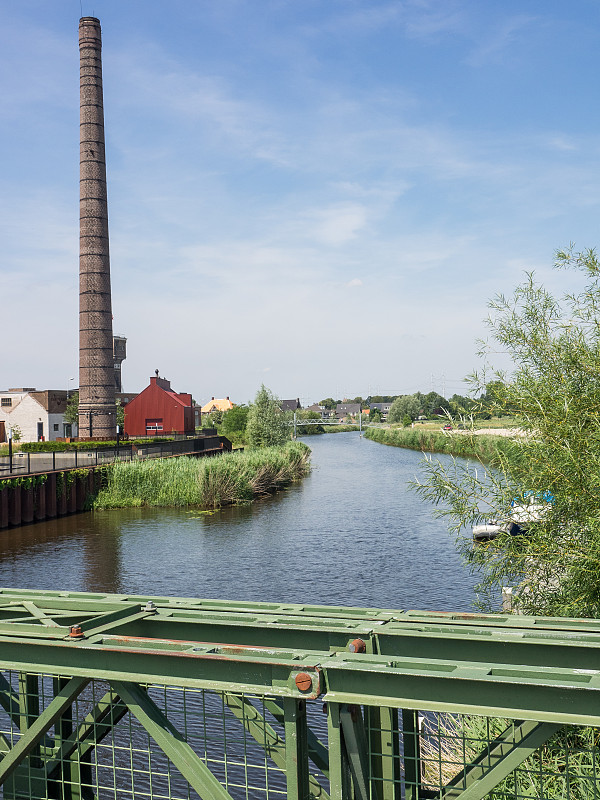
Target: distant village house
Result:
[38, 416]
[217, 404]
[290, 405]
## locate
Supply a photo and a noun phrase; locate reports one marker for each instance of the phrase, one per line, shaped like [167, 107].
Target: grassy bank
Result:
[205, 482]
[482, 447]
[339, 428]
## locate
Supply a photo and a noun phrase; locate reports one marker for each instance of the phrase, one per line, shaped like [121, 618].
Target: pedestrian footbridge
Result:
[123, 696]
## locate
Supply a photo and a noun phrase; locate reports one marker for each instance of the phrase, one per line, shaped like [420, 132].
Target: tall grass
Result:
[483, 447]
[206, 482]
[564, 768]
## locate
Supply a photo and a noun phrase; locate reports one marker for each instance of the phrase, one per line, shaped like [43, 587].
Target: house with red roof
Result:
[159, 411]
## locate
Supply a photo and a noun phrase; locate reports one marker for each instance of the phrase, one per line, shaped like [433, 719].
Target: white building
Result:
[38, 415]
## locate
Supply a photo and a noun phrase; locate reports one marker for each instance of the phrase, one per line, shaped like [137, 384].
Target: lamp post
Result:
[68, 429]
[10, 438]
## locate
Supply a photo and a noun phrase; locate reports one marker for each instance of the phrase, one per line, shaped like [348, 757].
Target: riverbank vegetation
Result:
[555, 392]
[554, 568]
[204, 482]
[482, 447]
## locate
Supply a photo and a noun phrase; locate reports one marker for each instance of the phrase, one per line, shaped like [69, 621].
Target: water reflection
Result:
[349, 534]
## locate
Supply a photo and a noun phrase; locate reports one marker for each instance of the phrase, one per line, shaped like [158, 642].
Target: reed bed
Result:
[204, 482]
[483, 447]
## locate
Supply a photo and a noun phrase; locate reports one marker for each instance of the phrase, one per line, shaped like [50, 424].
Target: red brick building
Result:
[159, 411]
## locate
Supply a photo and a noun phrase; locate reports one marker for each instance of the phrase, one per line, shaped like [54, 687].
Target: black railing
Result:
[35, 463]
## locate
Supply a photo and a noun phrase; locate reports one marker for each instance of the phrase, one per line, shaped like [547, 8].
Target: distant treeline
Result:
[431, 405]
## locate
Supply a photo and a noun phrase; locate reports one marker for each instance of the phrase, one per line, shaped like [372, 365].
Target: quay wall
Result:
[35, 497]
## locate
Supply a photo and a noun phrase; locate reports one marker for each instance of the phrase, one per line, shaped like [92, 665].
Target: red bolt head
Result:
[357, 646]
[76, 632]
[303, 681]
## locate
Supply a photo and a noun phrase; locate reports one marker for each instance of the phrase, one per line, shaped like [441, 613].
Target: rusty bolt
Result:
[357, 646]
[75, 632]
[303, 681]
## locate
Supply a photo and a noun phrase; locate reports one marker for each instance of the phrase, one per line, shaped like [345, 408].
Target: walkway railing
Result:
[138, 697]
[24, 463]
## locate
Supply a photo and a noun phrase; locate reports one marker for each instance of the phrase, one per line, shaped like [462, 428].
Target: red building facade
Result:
[159, 411]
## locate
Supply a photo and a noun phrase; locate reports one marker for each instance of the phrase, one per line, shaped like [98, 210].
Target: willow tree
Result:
[554, 390]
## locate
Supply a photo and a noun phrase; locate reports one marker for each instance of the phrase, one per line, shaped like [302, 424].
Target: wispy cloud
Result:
[494, 46]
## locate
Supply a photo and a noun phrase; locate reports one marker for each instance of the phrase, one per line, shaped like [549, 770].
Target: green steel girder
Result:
[498, 760]
[544, 673]
[355, 742]
[100, 722]
[508, 640]
[568, 696]
[31, 737]
[317, 752]
[170, 741]
[267, 737]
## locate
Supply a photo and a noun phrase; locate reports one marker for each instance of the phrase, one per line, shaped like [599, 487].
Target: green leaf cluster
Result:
[266, 425]
[554, 390]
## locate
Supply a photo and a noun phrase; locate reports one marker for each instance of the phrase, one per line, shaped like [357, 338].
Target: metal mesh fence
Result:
[98, 748]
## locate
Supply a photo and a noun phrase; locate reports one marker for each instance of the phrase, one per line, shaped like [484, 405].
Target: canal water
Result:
[352, 533]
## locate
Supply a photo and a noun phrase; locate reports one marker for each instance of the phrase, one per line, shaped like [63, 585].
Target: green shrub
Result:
[48, 447]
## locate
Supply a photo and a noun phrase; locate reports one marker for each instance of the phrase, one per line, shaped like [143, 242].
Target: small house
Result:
[159, 411]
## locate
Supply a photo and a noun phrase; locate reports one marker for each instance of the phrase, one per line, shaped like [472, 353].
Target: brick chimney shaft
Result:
[97, 410]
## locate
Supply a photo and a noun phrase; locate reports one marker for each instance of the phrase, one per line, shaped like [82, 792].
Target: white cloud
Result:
[336, 225]
[495, 46]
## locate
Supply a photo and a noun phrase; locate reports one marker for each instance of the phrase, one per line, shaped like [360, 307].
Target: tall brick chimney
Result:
[97, 410]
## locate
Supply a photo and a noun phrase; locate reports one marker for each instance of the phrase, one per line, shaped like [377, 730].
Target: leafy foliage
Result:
[72, 409]
[267, 426]
[555, 391]
[16, 433]
[235, 421]
[407, 405]
[329, 403]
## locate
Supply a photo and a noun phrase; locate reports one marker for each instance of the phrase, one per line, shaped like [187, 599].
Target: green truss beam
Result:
[61, 703]
[170, 741]
[365, 663]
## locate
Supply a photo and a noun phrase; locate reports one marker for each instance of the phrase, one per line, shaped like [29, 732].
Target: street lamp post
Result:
[10, 437]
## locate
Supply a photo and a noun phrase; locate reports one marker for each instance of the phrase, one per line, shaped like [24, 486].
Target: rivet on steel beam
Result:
[357, 646]
[150, 607]
[76, 632]
[303, 681]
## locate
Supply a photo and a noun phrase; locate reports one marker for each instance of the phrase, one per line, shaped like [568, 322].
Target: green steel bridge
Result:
[121, 696]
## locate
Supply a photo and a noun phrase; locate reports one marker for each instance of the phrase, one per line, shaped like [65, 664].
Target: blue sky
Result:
[320, 195]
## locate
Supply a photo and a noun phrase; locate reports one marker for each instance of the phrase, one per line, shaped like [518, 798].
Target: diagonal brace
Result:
[170, 741]
[98, 723]
[35, 733]
[355, 740]
[266, 736]
[495, 762]
[317, 752]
